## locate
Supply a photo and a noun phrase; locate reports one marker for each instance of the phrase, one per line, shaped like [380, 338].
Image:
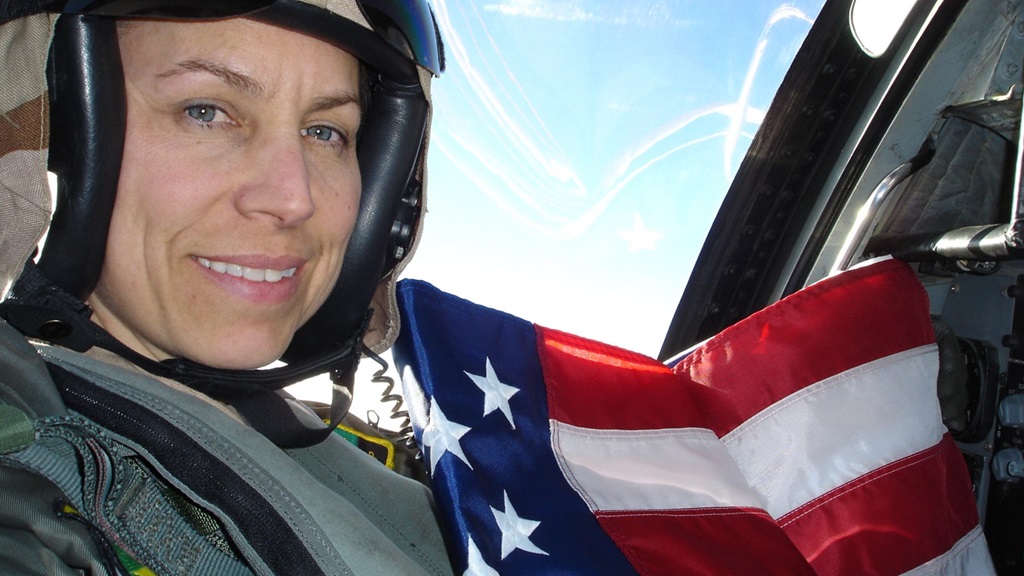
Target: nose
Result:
[279, 186]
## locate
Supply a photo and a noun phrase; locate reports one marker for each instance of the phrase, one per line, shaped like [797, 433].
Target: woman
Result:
[229, 179]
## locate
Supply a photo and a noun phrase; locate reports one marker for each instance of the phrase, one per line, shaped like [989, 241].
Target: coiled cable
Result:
[404, 435]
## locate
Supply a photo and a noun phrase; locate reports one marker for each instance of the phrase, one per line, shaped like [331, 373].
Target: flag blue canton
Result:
[480, 407]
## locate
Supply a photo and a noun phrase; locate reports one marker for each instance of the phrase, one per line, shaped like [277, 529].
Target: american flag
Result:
[805, 439]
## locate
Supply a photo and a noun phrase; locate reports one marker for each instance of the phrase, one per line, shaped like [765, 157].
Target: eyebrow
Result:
[253, 87]
[235, 79]
[329, 102]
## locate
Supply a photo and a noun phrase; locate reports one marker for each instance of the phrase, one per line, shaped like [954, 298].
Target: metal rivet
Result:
[54, 329]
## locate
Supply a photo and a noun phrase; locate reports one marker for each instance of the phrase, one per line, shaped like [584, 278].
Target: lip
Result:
[256, 260]
[257, 292]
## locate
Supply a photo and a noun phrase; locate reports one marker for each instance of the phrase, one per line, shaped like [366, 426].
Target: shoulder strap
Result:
[270, 535]
[284, 519]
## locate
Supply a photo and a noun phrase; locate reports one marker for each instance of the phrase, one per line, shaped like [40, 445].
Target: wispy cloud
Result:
[517, 159]
[624, 13]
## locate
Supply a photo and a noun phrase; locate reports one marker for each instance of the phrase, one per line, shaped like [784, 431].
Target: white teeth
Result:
[253, 274]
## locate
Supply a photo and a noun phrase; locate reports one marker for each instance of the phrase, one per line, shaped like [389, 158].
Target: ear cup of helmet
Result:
[87, 127]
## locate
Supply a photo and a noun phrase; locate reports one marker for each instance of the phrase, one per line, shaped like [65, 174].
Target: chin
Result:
[247, 357]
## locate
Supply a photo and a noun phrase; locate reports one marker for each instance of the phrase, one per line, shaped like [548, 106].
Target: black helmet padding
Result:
[87, 126]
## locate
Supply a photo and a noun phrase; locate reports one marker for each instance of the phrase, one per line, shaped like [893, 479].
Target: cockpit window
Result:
[581, 148]
[876, 22]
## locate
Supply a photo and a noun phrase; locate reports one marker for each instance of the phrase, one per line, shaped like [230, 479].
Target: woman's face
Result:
[238, 191]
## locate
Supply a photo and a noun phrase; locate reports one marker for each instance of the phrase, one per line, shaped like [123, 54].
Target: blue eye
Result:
[202, 112]
[322, 133]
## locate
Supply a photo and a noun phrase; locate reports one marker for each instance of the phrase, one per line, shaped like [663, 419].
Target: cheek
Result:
[339, 191]
[155, 201]
[128, 220]
[336, 218]
[337, 227]
[134, 220]
[162, 184]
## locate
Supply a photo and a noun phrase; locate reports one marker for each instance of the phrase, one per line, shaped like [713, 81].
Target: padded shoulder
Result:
[25, 382]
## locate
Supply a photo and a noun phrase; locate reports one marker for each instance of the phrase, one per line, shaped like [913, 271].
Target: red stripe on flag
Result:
[891, 520]
[594, 385]
[712, 541]
[807, 337]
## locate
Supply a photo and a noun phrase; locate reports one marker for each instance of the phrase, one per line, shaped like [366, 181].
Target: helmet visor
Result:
[415, 22]
[408, 26]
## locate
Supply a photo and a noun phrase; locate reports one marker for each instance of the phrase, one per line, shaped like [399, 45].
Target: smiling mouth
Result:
[252, 274]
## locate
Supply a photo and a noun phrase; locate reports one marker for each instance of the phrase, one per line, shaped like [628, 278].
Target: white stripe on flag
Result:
[840, 428]
[969, 556]
[669, 469]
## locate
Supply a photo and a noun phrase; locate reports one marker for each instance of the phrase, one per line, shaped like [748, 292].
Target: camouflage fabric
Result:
[24, 139]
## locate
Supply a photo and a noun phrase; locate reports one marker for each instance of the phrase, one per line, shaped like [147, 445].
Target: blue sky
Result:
[580, 150]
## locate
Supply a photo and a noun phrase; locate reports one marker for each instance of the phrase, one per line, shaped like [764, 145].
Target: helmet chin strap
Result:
[39, 309]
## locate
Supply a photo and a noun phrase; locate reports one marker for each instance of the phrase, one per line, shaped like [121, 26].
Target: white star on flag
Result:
[515, 531]
[640, 237]
[442, 435]
[496, 393]
[476, 565]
